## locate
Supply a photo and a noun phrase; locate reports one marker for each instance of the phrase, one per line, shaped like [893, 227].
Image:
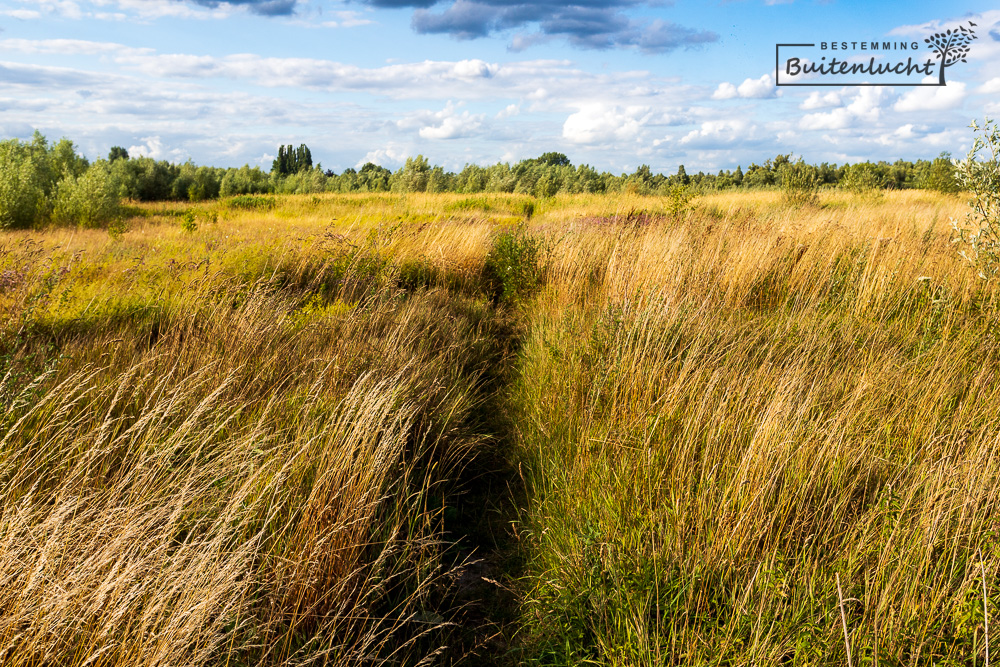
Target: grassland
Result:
[352, 428]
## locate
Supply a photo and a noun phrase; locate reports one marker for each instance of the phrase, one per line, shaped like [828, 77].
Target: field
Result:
[493, 429]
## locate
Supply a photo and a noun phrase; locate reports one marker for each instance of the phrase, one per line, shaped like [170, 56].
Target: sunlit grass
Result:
[725, 412]
[231, 435]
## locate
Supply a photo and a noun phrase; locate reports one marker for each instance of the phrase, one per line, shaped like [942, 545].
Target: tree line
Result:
[40, 181]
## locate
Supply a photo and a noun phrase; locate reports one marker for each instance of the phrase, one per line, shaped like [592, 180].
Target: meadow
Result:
[495, 429]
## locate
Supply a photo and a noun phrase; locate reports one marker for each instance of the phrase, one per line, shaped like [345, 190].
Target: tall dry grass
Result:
[237, 442]
[724, 413]
[203, 467]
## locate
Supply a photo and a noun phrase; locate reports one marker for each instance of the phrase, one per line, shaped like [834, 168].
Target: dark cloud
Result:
[397, 4]
[590, 24]
[262, 7]
[663, 36]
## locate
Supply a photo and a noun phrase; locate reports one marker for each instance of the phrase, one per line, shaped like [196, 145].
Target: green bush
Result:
[941, 175]
[799, 183]
[413, 177]
[979, 173]
[91, 200]
[863, 179]
[245, 181]
[679, 198]
[513, 267]
[22, 193]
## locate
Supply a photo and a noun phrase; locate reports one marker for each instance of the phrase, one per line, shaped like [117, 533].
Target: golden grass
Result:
[244, 436]
[725, 413]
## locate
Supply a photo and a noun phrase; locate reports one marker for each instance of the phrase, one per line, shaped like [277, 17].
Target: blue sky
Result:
[611, 83]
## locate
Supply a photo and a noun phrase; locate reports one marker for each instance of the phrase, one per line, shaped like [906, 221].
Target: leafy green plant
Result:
[799, 183]
[979, 174]
[941, 175]
[91, 200]
[513, 267]
[22, 195]
[189, 223]
[117, 228]
[679, 198]
[863, 179]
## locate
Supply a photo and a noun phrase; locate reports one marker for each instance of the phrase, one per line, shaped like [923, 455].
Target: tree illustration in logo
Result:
[951, 47]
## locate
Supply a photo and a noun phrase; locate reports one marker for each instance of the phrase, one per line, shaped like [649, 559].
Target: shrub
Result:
[91, 200]
[189, 223]
[22, 196]
[679, 198]
[941, 175]
[414, 175]
[863, 179]
[205, 184]
[245, 181]
[513, 266]
[981, 177]
[799, 183]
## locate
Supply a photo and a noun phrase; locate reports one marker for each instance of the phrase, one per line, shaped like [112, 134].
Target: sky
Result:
[611, 83]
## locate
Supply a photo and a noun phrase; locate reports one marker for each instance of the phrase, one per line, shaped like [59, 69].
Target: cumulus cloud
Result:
[391, 155]
[151, 147]
[602, 122]
[818, 100]
[990, 87]
[750, 88]
[720, 133]
[508, 111]
[445, 124]
[865, 108]
[932, 98]
[725, 91]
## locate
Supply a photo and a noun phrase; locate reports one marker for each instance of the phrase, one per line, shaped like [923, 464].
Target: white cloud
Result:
[725, 91]
[153, 147]
[865, 108]
[758, 88]
[22, 14]
[987, 23]
[990, 87]
[147, 10]
[817, 100]
[391, 155]
[70, 47]
[750, 88]
[341, 19]
[64, 8]
[602, 122]
[932, 98]
[444, 124]
[717, 133]
[508, 111]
